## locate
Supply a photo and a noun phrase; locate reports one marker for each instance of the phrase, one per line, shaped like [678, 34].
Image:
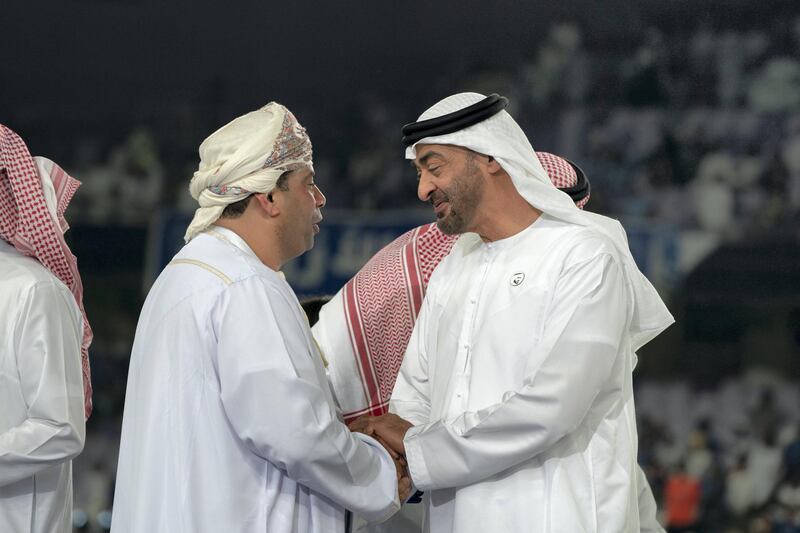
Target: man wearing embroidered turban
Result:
[514, 402]
[45, 390]
[229, 423]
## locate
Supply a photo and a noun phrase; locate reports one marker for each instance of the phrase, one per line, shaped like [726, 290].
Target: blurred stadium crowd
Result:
[700, 129]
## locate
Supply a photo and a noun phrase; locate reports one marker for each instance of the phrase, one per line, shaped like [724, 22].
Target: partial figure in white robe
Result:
[514, 403]
[45, 395]
[229, 422]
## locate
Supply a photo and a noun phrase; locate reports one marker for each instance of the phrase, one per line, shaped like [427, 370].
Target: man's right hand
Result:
[390, 429]
[362, 425]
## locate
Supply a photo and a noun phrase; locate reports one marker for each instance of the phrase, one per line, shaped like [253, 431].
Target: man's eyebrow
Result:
[309, 176]
[424, 159]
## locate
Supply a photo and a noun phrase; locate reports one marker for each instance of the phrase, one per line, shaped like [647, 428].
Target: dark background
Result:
[684, 114]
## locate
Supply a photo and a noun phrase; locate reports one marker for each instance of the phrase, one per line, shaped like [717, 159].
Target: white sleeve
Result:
[648, 523]
[585, 327]
[411, 396]
[47, 344]
[273, 397]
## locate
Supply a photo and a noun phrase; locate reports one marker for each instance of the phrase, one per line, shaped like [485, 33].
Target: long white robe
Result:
[229, 423]
[518, 379]
[42, 423]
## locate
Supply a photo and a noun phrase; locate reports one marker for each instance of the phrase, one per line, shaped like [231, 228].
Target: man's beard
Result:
[452, 223]
[464, 196]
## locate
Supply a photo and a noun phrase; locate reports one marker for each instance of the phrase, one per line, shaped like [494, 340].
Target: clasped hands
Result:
[389, 430]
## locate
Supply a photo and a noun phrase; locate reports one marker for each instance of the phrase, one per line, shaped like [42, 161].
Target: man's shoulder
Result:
[206, 273]
[23, 275]
[223, 261]
[579, 243]
[29, 287]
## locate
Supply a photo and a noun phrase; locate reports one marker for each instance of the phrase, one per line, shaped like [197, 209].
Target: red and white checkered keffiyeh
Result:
[27, 224]
[380, 305]
[560, 173]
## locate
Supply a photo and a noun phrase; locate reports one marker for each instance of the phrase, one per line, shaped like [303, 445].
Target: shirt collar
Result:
[231, 237]
[510, 240]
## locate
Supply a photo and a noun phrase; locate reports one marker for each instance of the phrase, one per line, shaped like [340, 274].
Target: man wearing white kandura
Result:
[229, 422]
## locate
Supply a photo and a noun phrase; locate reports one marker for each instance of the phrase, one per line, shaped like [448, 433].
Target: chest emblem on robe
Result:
[517, 278]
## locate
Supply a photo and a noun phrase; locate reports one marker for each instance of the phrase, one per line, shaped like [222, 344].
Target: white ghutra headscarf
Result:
[501, 137]
[246, 156]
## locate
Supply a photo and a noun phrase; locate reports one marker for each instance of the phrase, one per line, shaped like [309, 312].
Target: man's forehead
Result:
[425, 152]
[301, 171]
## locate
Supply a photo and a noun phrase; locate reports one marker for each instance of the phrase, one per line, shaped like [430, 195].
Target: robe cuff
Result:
[420, 475]
[387, 461]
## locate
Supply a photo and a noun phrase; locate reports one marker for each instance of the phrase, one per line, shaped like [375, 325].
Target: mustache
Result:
[437, 197]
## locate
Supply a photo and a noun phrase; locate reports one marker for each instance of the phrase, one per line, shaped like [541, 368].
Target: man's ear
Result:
[267, 202]
[492, 166]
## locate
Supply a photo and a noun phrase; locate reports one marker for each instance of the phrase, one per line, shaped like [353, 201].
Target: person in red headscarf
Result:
[45, 390]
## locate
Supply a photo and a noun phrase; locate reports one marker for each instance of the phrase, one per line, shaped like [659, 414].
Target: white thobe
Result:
[518, 380]
[42, 423]
[229, 423]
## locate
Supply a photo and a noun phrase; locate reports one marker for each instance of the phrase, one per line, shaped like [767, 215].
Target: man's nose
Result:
[319, 197]
[425, 187]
